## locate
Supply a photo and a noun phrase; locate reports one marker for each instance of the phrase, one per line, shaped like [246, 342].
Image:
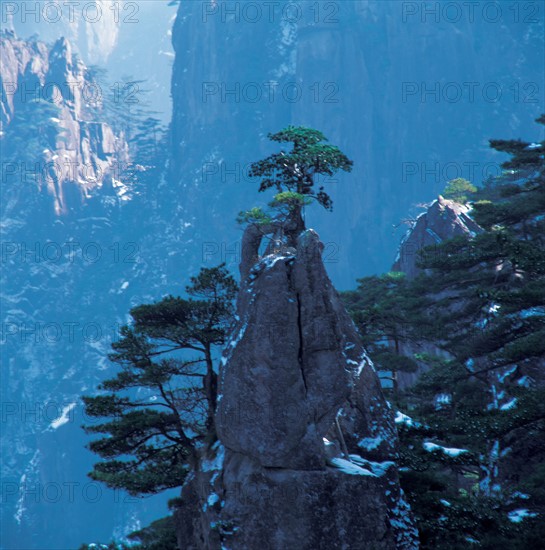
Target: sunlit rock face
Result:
[107, 34]
[80, 153]
[307, 443]
[411, 97]
[74, 261]
[443, 220]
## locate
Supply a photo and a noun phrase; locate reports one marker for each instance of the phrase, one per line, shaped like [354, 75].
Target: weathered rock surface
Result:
[82, 153]
[444, 219]
[294, 509]
[307, 440]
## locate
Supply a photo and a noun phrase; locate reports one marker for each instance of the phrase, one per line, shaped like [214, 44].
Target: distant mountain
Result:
[125, 37]
[79, 153]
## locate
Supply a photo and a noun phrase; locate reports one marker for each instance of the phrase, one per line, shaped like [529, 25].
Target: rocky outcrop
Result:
[108, 33]
[78, 153]
[94, 30]
[443, 220]
[307, 442]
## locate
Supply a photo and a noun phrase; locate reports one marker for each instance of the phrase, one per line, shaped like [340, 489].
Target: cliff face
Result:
[307, 442]
[107, 33]
[80, 153]
[392, 90]
[76, 255]
[94, 30]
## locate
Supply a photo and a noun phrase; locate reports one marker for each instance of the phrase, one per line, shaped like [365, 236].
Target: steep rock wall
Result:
[80, 153]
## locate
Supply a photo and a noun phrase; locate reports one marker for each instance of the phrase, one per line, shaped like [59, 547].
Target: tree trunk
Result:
[296, 226]
[210, 383]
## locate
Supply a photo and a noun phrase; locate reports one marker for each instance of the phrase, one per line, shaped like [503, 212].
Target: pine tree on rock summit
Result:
[293, 174]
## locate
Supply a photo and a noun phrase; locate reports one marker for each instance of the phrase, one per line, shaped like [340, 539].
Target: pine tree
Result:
[382, 324]
[472, 453]
[160, 407]
[458, 190]
[297, 169]
[293, 173]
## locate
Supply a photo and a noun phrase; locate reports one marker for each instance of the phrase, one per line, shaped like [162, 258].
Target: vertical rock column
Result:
[307, 439]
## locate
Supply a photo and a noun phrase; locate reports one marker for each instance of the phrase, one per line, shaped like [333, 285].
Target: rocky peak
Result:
[78, 153]
[443, 220]
[307, 442]
[96, 37]
[67, 74]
